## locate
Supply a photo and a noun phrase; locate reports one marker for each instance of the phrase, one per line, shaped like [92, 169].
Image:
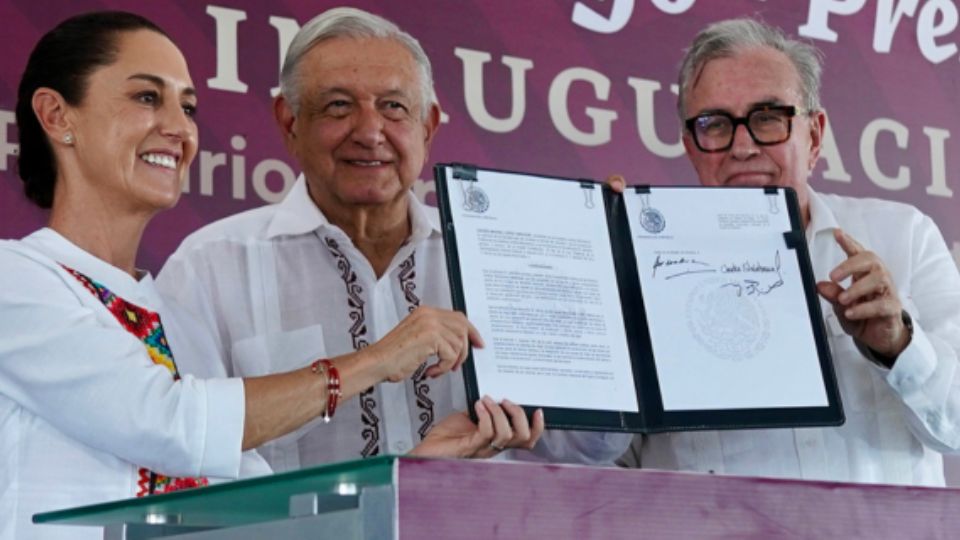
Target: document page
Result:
[724, 299]
[540, 286]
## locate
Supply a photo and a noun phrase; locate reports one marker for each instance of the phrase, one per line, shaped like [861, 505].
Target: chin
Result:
[163, 201]
[370, 200]
[170, 203]
[372, 195]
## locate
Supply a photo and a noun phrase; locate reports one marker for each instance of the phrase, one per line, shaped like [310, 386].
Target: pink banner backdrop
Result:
[573, 88]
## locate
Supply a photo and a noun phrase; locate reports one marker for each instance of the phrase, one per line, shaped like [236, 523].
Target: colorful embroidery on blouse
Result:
[146, 326]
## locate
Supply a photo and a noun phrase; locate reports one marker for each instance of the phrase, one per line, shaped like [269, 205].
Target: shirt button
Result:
[400, 448]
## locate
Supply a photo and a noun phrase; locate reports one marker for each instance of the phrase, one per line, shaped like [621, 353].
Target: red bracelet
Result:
[333, 385]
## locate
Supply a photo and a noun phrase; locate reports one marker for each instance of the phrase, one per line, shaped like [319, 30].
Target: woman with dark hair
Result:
[92, 406]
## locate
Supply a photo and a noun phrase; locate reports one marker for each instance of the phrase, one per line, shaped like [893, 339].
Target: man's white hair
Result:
[357, 24]
[727, 38]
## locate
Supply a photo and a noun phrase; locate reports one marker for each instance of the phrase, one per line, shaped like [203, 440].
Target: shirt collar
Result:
[57, 247]
[821, 218]
[424, 221]
[297, 214]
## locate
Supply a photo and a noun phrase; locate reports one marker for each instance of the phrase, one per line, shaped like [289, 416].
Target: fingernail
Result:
[507, 402]
[843, 297]
[848, 313]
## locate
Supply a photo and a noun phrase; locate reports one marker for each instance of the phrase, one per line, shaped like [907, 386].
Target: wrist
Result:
[359, 370]
[331, 397]
[443, 449]
[888, 358]
[419, 450]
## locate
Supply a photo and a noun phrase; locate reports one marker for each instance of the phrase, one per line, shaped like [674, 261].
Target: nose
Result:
[743, 144]
[175, 123]
[368, 127]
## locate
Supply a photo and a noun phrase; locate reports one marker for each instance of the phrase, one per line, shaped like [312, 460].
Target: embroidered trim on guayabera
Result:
[146, 326]
[358, 333]
[421, 389]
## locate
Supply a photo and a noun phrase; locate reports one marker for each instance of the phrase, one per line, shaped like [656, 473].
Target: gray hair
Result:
[726, 38]
[357, 24]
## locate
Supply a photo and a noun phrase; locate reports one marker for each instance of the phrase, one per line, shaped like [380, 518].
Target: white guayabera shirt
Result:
[279, 286]
[898, 421]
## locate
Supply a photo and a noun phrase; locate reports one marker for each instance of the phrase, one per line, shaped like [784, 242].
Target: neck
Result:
[378, 231]
[98, 228]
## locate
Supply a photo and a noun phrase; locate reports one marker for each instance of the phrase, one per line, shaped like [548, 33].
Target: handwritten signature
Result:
[752, 287]
[680, 266]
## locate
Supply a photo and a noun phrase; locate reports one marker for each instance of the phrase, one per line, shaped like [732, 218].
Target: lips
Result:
[749, 178]
[160, 159]
[367, 162]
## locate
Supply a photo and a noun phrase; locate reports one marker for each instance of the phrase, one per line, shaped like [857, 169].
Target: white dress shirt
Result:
[82, 405]
[898, 421]
[280, 286]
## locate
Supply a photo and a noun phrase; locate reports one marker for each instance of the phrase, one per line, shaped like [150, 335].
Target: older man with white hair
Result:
[890, 289]
[348, 254]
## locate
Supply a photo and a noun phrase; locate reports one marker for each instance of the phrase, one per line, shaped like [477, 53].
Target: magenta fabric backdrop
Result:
[559, 95]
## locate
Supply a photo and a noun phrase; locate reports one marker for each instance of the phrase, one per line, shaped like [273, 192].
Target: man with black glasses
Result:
[749, 99]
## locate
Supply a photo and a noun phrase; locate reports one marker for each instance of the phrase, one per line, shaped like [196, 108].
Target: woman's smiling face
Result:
[134, 131]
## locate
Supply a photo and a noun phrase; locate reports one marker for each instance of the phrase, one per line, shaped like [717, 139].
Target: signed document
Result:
[725, 299]
[664, 308]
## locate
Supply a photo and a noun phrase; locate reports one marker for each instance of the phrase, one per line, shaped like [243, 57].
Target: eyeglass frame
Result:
[735, 121]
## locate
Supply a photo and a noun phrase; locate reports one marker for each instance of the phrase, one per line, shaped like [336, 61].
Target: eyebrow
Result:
[324, 92]
[396, 92]
[331, 90]
[769, 102]
[189, 90]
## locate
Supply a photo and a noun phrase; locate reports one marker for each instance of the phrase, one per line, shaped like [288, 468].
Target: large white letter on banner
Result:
[559, 112]
[868, 153]
[227, 76]
[259, 179]
[646, 127]
[286, 30]
[473, 93]
[591, 20]
[938, 162]
[673, 7]
[816, 26]
[928, 30]
[889, 13]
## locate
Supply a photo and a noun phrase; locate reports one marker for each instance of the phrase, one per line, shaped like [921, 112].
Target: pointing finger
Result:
[847, 243]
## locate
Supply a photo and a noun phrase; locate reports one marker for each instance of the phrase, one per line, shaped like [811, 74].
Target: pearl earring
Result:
[68, 138]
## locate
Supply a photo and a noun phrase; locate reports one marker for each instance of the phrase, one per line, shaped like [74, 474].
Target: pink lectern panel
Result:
[477, 499]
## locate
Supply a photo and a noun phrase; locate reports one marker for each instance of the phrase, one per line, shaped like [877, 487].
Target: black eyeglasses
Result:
[767, 125]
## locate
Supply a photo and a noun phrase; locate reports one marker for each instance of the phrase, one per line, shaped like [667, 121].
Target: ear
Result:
[818, 126]
[286, 120]
[53, 114]
[430, 126]
[688, 143]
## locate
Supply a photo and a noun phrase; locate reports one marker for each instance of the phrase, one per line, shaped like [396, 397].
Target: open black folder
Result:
[659, 309]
